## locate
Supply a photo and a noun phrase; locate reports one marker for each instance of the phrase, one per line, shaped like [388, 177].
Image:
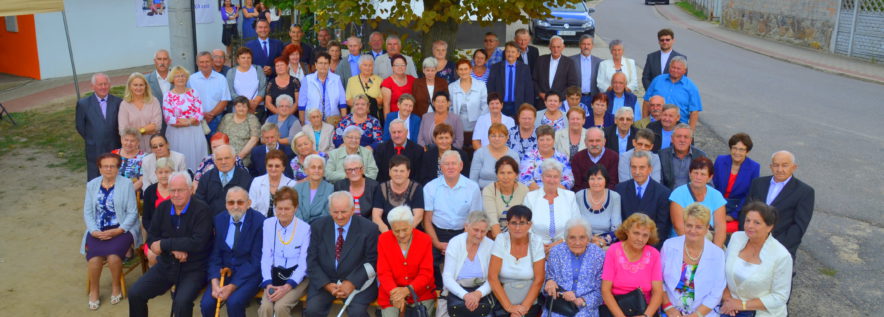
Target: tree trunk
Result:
[441, 30]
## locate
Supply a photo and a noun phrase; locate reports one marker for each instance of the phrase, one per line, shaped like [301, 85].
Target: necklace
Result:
[506, 202]
[692, 258]
[280, 237]
[589, 203]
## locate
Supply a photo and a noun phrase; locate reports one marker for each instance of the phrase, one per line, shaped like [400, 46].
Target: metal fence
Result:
[859, 31]
[712, 8]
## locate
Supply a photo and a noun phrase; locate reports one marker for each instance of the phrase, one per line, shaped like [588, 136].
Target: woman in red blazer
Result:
[405, 263]
[421, 88]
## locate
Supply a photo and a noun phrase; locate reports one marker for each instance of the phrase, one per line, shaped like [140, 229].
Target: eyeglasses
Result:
[240, 203]
[624, 119]
[157, 146]
[665, 40]
[353, 170]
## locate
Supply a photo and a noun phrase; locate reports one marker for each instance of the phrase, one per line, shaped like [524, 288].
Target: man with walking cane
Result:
[181, 233]
[237, 249]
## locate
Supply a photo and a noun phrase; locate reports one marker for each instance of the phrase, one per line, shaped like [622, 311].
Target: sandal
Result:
[116, 299]
[94, 305]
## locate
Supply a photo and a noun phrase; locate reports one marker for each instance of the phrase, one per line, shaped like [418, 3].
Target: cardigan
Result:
[422, 98]
[414, 269]
[262, 82]
[334, 167]
[587, 285]
[325, 137]
[772, 280]
[309, 210]
[563, 141]
[259, 191]
[709, 281]
[367, 198]
[749, 170]
[565, 205]
[125, 206]
[456, 255]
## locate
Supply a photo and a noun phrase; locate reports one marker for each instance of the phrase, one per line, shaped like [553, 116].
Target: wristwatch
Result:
[142, 130]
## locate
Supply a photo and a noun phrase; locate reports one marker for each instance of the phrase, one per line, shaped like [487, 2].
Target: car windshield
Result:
[570, 7]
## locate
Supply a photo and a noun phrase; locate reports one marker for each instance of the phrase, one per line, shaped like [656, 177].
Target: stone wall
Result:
[802, 22]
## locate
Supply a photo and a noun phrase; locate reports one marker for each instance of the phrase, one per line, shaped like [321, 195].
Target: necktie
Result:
[224, 179]
[511, 83]
[237, 225]
[264, 44]
[339, 245]
[399, 150]
[638, 192]
[103, 103]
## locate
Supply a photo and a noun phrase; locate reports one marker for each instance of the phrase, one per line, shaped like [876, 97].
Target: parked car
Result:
[569, 21]
[656, 1]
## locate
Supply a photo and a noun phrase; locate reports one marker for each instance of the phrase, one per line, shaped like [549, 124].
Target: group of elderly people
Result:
[393, 189]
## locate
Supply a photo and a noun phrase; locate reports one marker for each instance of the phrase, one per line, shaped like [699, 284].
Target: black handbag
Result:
[632, 303]
[417, 310]
[560, 306]
[458, 308]
[280, 275]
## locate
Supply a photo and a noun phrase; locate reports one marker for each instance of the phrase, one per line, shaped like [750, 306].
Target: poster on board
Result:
[155, 13]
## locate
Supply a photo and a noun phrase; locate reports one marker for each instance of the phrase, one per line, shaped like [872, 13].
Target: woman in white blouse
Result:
[758, 268]
[466, 262]
[553, 206]
[469, 98]
[616, 64]
[264, 187]
[516, 268]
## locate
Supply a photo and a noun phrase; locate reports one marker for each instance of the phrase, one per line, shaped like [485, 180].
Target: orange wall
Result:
[19, 49]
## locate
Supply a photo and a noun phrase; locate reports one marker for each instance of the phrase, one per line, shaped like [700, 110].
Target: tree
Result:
[439, 20]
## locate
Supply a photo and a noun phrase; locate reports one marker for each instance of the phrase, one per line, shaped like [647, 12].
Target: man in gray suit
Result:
[587, 69]
[349, 64]
[658, 61]
[341, 258]
[156, 79]
[553, 72]
[675, 161]
[97, 122]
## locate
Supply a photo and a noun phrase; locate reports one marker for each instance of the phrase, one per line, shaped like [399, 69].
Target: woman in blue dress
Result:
[249, 13]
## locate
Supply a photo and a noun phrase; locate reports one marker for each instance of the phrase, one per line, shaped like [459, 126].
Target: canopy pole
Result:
[67, 34]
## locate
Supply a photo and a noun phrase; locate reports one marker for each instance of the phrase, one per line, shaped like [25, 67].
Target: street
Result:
[830, 122]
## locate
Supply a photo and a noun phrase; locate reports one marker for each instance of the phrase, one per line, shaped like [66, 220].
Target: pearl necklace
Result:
[692, 258]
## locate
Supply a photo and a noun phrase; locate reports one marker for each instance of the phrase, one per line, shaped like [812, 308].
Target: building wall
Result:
[19, 49]
[803, 22]
[104, 36]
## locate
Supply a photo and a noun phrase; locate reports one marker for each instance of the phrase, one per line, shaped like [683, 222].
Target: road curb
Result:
[772, 54]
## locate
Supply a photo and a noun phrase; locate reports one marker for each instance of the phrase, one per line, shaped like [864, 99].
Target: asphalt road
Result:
[832, 124]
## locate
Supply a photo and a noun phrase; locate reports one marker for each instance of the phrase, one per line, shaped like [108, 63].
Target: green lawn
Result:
[689, 7]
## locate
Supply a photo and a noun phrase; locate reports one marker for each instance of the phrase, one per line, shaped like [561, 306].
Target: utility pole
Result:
[182, 33]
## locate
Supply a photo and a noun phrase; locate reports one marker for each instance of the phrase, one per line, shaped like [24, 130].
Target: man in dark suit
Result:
[97, 122]
[341, 259]
[397, 145]
[527, 53]
[792, 198]
[643, 194]
[238, 240]
[296, 34]
[664, 127]
[658, 62]
[512, 80]
[675, 160]
[619, 136]
[376, 44]
[264, 49]
[595, 153]
[215, 183]
[553, 72]
[587, 69]
[269, 141]
[181, 235]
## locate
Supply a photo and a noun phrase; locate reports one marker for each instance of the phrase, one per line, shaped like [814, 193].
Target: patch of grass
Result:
[53, 131]
[690, 8]
[830, 272]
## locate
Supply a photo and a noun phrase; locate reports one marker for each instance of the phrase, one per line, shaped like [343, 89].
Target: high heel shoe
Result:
[116, 299]
[94, 305]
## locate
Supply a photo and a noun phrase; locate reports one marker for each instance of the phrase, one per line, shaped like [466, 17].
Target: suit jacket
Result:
[343, 68]
[414, 126]
[566, 75]
[749, 170]
[259, 155]
[612, 140]
[591, 77]
[666, 174]
[385, 150]
[654, 203]
[258, 55]
[524, 85]
[325, 136]
[308, 210]
[154, 83]
[100, 132]
[652, 66]
[306, 52]
[533, 54]
[657, 128]
[422, 95]
[245, 260]
[414, 269]
[214, 194]
[428, 168]
[193, 235]
[794, 207]
[360, 248]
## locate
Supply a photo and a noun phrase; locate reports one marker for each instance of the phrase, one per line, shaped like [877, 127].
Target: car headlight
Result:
[542, 23]
[589, 23]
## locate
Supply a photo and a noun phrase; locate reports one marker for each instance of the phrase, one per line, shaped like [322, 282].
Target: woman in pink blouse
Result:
[140, 111]
[633, 264]
[183, 112]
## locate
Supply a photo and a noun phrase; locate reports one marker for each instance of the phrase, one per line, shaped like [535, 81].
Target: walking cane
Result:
[224, 272]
